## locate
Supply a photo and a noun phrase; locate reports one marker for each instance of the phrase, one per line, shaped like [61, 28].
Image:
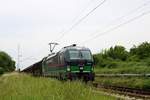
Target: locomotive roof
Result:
[39, 62]
[73, 48]
[51, 55]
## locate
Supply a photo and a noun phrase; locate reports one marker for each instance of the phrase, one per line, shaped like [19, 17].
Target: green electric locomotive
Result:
[71, 62]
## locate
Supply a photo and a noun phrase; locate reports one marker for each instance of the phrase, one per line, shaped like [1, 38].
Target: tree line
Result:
[109, 57]
[6, 63]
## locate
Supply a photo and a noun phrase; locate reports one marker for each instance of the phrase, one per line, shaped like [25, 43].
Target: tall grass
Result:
[124, 67]
[132, 82]
[25, 87]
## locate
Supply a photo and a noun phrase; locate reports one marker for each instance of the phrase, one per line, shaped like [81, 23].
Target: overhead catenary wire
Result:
[84, 9]
[133, 11]
[125, 15]
[116, 27]
[81, 19]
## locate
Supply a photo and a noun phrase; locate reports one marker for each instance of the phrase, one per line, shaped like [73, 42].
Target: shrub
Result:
[117, 52]
[142, 51]
[112, 64]
[133, 58]
[1, 70]
[147, 61]
[6, 62]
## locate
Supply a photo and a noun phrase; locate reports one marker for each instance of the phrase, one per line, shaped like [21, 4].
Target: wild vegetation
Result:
[118, 60]
[25, 87]
[6, 63]
[132, 82]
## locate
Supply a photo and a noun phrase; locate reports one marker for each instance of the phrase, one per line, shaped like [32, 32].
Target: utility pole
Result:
[52, 46]
[19, 55]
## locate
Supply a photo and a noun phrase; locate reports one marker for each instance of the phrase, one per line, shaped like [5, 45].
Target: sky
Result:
[32, 24]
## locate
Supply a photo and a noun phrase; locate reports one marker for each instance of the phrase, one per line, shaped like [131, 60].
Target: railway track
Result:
[132, 92]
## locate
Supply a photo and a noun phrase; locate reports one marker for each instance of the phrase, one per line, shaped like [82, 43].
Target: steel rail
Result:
[133, 92]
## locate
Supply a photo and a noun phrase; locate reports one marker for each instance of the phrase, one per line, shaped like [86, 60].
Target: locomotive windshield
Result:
[74, 54]
[82, 54]
[86, 55]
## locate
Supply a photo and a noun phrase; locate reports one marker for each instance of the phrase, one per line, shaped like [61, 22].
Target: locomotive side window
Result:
[61, 58]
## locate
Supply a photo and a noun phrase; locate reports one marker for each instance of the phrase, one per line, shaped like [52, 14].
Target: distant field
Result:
[25, 87]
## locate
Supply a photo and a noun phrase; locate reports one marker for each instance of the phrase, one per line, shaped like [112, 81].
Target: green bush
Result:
[1, 70]
[133, 58]
[142, 51]
[112, 64]
[148, 62]
[117, 52]
[6, 62]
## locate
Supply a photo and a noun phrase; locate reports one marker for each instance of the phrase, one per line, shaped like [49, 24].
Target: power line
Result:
[18, 59]
[126, 15]
[133, 11]
[84, 9]
[116, 27]
[80, 20]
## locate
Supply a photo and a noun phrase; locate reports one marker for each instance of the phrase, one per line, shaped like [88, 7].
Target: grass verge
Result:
[25, 87]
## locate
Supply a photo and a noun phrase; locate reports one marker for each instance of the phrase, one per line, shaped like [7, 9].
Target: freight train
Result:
[71, 62]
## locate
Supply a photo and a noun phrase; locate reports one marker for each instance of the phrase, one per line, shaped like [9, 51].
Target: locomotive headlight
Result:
[68, 68]
[81, 68]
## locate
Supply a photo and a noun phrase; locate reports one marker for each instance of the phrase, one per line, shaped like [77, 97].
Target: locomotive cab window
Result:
[74, 54]
[82, 54]
[86, 55]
